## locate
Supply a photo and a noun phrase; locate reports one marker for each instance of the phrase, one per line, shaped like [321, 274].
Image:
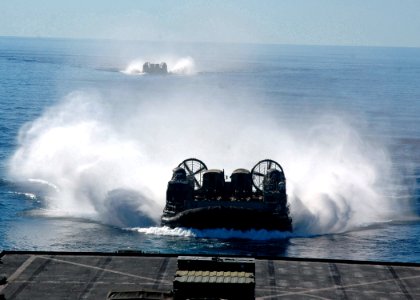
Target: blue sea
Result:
[88, 143]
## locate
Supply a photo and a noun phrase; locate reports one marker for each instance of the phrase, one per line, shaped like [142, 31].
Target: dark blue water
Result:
[87, 144]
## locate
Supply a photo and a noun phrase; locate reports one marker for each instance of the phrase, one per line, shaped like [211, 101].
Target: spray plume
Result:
[111, 160]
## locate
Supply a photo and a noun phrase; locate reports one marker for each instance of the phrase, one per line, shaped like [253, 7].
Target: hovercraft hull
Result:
[227, 217]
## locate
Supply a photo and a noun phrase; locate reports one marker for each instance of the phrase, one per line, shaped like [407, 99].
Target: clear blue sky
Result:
[313, 22]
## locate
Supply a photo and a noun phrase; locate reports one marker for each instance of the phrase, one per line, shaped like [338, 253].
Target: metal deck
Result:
[58, 275]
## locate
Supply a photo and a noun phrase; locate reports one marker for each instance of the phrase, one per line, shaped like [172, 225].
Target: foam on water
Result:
[43, 182]
[30, 196]
[134, 68]
[110, 159]
[259, 235]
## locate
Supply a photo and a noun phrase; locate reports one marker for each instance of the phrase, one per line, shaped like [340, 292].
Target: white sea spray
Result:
[103, 157]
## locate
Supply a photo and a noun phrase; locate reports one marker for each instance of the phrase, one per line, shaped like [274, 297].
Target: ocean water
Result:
[88, 144]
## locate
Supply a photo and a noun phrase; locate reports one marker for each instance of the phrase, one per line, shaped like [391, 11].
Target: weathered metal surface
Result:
[37, 275]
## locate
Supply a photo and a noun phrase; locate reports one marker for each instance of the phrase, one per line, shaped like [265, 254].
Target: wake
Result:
[258, 235]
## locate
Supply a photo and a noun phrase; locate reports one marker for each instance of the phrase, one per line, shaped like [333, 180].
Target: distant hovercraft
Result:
[197, 197]
[150, 68]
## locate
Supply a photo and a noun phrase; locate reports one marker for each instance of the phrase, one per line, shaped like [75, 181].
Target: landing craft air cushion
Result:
[150, 68]
[201, 198]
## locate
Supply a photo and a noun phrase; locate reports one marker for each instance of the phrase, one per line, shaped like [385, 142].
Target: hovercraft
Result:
[201, 198]
[150, 68]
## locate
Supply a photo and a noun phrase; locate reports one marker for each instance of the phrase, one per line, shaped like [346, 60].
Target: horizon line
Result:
[204, 42]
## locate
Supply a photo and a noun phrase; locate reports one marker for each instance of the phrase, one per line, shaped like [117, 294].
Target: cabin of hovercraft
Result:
[267, 176]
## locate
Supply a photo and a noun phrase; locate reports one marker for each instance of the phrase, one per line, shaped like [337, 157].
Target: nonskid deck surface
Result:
[57, 275]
